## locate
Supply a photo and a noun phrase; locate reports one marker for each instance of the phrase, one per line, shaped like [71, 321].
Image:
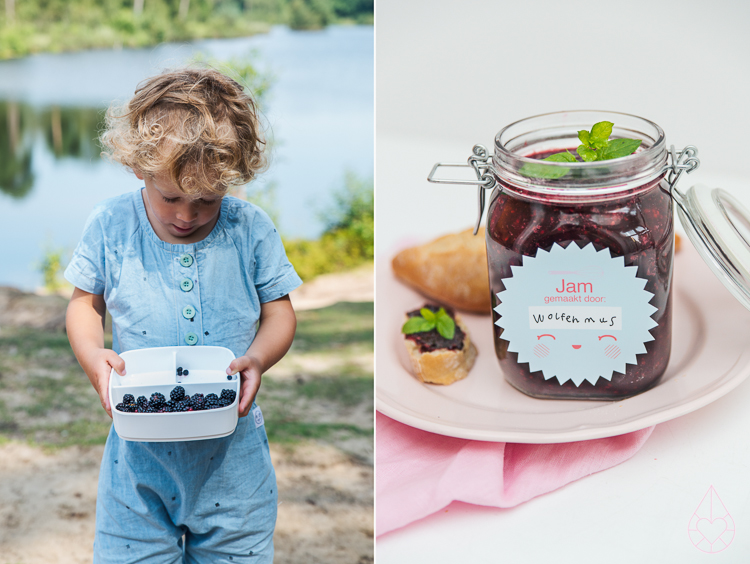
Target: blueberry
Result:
[185, 373]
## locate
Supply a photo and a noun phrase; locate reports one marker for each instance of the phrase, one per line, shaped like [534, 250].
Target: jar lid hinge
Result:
[479, 162]
[684, 161]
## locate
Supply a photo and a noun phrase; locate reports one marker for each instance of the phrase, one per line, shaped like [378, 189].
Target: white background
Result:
[452, 74]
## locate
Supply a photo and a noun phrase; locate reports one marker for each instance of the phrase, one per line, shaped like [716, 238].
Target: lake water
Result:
[320, 111]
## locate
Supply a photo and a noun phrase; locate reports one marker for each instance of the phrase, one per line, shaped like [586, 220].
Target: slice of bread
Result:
[442, 366]
[451, 269]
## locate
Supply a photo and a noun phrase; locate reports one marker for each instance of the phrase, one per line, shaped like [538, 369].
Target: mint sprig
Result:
[595, 146]
[429, 320]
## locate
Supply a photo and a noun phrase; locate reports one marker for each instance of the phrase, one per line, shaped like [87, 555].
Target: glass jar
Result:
[623, 206]
[580, 256]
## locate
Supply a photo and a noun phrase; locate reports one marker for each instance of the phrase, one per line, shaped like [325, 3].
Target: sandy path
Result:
[328, 289]
[49, 502]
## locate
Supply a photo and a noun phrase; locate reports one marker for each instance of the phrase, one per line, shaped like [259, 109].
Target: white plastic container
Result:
[155, 370]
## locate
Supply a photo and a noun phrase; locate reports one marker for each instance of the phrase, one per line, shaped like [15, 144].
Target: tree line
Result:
[31, 26]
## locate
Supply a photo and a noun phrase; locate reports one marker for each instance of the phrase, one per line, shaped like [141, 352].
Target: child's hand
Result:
[101, 363]
[250, 370]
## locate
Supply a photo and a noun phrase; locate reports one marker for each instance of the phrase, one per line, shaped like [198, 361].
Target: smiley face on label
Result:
[575, 314]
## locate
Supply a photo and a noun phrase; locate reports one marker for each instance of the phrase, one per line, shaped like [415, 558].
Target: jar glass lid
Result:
[719, 228]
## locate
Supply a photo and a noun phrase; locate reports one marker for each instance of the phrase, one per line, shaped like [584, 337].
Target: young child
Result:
[180, 263]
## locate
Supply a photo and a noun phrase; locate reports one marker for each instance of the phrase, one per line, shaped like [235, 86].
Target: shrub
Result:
[348, 239]
[52, 267]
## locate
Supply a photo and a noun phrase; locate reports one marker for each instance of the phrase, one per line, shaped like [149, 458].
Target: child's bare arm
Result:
[85, 326]
[275, 334]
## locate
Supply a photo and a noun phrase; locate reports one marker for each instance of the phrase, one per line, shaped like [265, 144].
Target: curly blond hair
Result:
[196, 125]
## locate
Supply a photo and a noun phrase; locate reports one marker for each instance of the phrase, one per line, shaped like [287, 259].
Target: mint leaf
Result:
[599, 144]
[619, 148]
[566, 157]
[583, 135]
[417, 325]
[428, 314]
[586, 153]
[445, 325]
[550, 172]
[600, 132]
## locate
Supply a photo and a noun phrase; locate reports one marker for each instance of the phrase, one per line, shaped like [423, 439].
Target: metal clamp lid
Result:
[479, 161]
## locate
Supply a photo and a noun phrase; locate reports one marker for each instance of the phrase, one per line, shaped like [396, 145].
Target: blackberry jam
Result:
[580, 260]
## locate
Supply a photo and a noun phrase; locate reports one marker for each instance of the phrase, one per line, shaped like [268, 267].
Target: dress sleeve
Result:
[274, 276]
[86, 269]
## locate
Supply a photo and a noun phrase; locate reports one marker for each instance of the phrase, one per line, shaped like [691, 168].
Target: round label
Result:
[575, 314]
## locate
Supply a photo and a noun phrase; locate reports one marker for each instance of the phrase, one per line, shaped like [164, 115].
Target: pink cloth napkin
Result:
[419, 473]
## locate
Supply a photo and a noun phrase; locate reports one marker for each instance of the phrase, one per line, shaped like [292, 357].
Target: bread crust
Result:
[452, 269]
[442, 366]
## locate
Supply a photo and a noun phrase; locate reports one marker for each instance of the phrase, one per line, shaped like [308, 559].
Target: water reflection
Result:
[72, 132]
[16, 142]
[66, 133]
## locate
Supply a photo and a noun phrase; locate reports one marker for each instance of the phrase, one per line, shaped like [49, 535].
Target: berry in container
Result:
[175, 394]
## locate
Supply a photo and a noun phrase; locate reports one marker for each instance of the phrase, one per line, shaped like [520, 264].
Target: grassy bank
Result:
[33, 26]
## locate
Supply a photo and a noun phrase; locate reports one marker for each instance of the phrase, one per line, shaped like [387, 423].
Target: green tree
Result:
[310, 14]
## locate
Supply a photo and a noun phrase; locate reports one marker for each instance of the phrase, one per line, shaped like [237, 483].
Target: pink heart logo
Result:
[711, 530]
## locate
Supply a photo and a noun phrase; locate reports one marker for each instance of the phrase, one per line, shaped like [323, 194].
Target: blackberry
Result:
[120, 407]
[197, 402]
[142, 401]
[179, 370]
[128, 398]
[152, 409]
[182, 406]
[212, 401]
[228, 395]
[170, 407]
[157, 400]
[223, 402]
[177, 393]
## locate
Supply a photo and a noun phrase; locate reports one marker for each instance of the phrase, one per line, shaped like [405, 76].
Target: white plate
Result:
[710, 357]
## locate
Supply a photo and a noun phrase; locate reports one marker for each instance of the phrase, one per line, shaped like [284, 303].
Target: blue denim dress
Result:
[219, 493]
